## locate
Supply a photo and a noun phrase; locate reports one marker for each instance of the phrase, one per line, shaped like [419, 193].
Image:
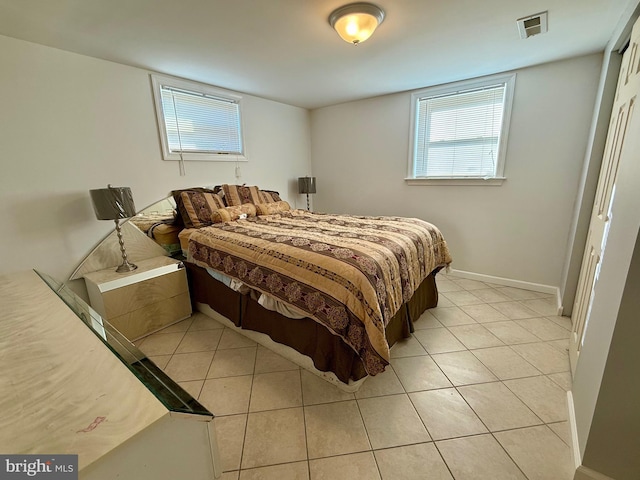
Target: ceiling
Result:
[285, 50]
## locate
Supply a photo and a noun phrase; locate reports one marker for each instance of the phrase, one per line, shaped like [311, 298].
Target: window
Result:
[196, 121]
[459, 132]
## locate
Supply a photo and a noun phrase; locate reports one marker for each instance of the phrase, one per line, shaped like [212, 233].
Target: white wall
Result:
[70, 123]
[519, 230]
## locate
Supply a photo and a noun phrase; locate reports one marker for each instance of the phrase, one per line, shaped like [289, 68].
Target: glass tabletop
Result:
[172, 396]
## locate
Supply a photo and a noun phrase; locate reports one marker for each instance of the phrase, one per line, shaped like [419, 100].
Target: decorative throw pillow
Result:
[269, 196]
[273, 207]
[180, 207]
[227, 214]
[235, 195]
[196, 208]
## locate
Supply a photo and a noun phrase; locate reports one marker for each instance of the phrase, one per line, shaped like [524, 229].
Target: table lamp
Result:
[307, 185]
[115, 203]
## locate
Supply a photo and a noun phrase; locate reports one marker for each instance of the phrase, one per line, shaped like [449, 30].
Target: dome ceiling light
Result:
[356, 22]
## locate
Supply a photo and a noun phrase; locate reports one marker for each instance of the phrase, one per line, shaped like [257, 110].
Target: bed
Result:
[339, 289]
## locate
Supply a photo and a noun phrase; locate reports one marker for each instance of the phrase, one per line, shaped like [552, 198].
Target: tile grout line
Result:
[304, 423]
[443, 459]
[246, 428]
[510, 457]
[366, 431]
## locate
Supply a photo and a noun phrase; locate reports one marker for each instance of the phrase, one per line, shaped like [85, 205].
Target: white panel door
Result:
[623, 110]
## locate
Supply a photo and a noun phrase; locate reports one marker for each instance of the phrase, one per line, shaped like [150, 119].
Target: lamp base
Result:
[126, 267]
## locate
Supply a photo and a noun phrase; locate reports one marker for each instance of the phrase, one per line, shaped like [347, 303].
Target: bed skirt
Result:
[327, 351]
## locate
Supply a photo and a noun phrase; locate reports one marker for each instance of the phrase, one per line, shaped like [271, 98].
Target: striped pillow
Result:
[269, 196]
[196, 208]
[235, 195]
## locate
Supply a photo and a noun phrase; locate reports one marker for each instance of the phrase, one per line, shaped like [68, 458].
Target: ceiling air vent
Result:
[532, 25]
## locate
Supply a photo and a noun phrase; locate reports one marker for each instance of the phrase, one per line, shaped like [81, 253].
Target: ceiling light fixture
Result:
[356, 22]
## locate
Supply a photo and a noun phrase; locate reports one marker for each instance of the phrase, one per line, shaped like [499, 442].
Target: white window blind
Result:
[459, 133]
[197, 122]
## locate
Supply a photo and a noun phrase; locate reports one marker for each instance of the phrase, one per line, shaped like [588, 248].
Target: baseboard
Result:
[582, 472]
[585, 473]
[559, 306]
[575, 444]
[510, 282]
[507, 282]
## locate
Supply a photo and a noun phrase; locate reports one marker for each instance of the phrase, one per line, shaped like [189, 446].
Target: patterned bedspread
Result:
[350, 273]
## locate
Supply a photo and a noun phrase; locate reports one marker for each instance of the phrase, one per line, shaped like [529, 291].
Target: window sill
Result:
[204, 157]
[494, 181]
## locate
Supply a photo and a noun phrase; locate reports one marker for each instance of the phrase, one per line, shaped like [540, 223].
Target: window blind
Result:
[458, 134]
[200, 123]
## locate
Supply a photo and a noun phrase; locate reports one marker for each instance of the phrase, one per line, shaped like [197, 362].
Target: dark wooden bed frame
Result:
[327, 351]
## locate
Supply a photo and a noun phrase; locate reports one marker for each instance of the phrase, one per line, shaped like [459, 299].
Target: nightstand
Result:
[141, 302]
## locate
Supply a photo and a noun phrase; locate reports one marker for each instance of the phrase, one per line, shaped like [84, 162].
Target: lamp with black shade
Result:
[307, 185]
[115, 203]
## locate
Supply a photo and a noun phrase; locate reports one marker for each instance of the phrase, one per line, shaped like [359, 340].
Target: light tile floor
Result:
[478, 392]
